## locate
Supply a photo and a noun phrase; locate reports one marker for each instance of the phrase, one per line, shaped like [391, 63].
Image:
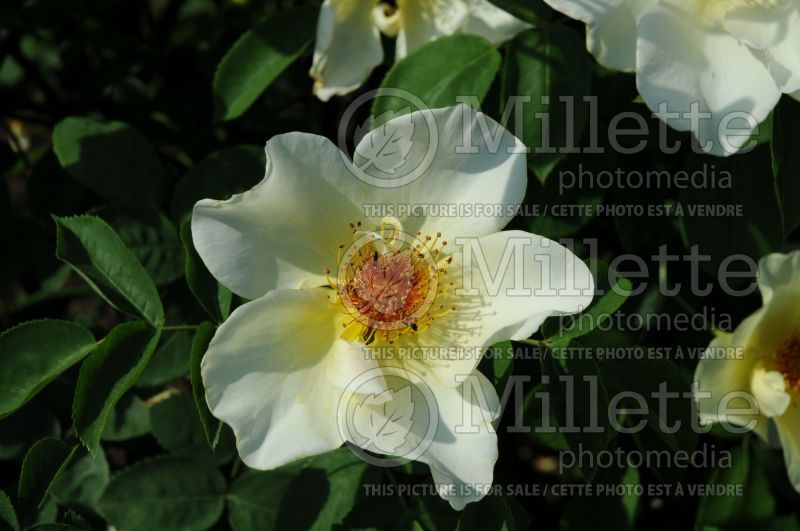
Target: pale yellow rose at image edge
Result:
[768, 368]
[278, 367]
[726, 55]
[348, 44]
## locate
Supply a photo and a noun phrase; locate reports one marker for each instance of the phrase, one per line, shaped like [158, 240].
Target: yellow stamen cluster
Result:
[389, 284]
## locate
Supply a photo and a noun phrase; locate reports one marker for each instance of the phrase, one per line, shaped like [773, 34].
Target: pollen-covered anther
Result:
[787, 360]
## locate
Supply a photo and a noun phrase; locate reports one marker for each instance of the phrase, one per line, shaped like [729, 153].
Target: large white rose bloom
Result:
[277, 368]
[348, 44]
[762, 359]
[723, 56]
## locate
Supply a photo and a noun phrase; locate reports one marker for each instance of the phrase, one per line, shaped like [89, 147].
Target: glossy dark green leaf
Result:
[42, 465]
[170, 360]
[786, 160]
[110, 370]
[96, 252]
[437, 73]
[178, 429]
[33, 354]
[110, 158]
[165, 493]
[19, 431]
[129, 419]
[211, 426]
[152, 238]
[258, 57]
[550, 66]
[326, 486]
[83, 480]
[212, 296]
[229, 171]
[8, 516]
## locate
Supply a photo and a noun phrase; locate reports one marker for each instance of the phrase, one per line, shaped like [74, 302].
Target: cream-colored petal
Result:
[778, 272]
[347, 48]
[272, 372]
[685, 57]
[419, 170]
[769, 389]
[424, 21]
[727, 367]
[286, 229]
[504, 286]
[492, 23]
[611, 28]
[774, 28]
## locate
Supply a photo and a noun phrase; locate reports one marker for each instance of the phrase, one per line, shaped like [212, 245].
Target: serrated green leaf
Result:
[152, 238]
[8, 517]
[33, 354]
[110, 158]
[110, 370]
[96, 252]
[437, 73]
[170, 360]
[167, 493]
[212, 296]
[83, 480]
[42, 465]
[259, 57]
[229, 171]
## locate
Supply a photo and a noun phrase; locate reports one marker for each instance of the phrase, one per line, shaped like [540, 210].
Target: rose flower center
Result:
[788, 362]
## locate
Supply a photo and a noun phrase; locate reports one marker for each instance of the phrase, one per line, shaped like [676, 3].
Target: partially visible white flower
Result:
[768, 369]
[723, 56]
[348, 44]
[281, 364]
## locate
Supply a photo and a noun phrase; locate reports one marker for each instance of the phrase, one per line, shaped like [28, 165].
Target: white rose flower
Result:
[715, 58]
[280, 365]
[348, 44]
[761, 359]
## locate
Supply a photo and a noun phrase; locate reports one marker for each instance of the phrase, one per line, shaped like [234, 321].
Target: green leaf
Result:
[326, 487]
[211, 425]
[129, 419]
[178, 429]
[533, 11]
[438, 73]
[83, 480]
[33, 354]
[786, 160]
[111, 158]
[109, 371]
[756, 505]
[8, 517]
[152, 238]
[577, 381]
[259, 57]
[548, 62]
[97, 253]
[20, 431]
[229, 171]
[42, 465]
[170, 360]
[166, 493]
[600, 311]
[492, 513]
[616, 512]
[212, 296]
[53, 527]
[753, 227]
